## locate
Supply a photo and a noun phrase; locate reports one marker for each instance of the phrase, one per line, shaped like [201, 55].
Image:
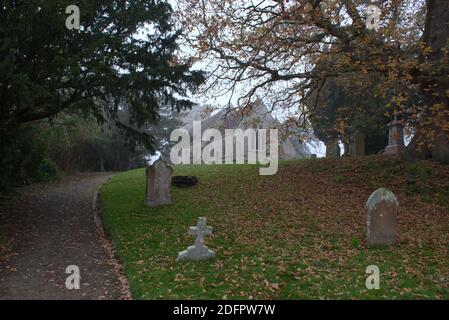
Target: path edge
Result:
[108, 245]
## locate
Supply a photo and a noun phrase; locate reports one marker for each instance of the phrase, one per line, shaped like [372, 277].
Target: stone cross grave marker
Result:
[158, 184]
[381, 217]
[395, 138]
[198, 251]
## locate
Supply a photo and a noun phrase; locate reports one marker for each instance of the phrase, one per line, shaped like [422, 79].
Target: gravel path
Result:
[49, 228]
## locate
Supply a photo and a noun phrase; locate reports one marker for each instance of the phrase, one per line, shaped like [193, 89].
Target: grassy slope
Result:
[298, 234]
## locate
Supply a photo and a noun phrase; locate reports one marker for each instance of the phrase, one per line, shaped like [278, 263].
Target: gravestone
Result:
[357, 146]
[332, 149]
[395, 138]
[346, 149]
[198, 251]
[381, 217]
[313, 156]
[158, 184]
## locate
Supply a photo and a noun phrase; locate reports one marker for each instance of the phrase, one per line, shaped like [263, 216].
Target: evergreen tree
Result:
[123, 53]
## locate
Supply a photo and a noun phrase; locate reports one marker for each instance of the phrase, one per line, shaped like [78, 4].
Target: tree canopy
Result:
[283, 49]
[123, 53]
[337, 113]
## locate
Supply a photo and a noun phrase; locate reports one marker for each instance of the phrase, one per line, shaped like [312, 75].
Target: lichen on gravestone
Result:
[381, 217]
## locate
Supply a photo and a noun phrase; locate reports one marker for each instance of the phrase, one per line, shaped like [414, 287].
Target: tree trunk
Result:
[434, 137]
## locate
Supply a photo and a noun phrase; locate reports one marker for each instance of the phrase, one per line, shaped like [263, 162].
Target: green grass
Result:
[296, 235]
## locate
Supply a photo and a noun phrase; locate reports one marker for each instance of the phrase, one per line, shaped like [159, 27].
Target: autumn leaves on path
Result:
[48, 228]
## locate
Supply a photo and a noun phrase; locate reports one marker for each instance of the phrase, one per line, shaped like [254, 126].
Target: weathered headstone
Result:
[198, 251]
[332, 149]
[381, 217]
[158, 184]
[395, 138]
[357, 146]
[313, 156]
